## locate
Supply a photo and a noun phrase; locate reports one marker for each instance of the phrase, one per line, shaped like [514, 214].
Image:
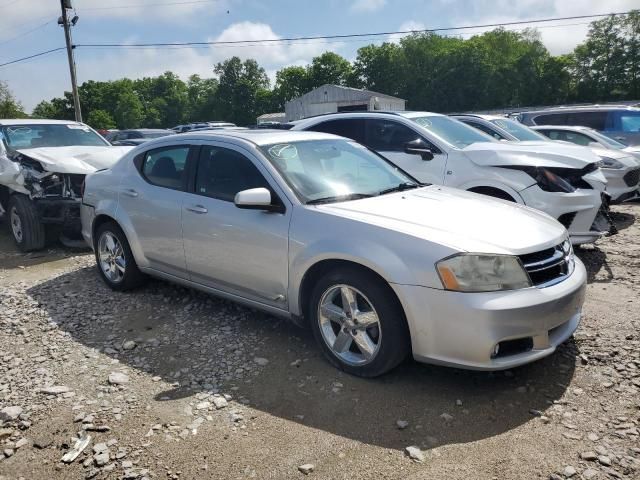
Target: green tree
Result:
[291, 82]
[9, 106]
[100, 120]
[329, 68]
[239, 86]
[128, 112]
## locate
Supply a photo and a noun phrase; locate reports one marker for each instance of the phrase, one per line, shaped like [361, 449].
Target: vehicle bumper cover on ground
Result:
[462, 329]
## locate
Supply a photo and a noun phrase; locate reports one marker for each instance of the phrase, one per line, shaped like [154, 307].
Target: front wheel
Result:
[24, 222]
[358, 322]
[116, 264]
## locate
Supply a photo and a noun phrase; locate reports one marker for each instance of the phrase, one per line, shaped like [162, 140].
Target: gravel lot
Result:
[166, 382]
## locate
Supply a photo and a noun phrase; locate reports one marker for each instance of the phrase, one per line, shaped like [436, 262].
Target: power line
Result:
[352, 35]
[31, 56]
[23, 34]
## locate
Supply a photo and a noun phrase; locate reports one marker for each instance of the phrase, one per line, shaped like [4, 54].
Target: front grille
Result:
[566, 219]
[550, 266]
[632, 177]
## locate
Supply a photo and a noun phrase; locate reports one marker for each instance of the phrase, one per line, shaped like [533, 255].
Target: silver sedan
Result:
[321, 230]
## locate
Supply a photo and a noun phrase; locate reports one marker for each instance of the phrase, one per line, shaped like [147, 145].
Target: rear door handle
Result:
[130, 192]
[197, 209]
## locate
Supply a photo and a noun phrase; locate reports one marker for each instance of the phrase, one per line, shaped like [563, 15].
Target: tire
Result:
[119, 269]
[24, 224]
[389, 336]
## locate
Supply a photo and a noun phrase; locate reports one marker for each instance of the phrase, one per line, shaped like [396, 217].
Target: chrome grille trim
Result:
[558, 263]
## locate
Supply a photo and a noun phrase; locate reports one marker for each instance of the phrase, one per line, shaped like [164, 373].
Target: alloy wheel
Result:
[349, 325]
[111, 255]
[16, 225]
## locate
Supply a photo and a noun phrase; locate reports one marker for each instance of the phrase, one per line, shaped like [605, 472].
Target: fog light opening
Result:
[496, 351]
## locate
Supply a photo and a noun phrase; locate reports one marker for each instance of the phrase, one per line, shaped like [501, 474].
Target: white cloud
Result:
[367, 5]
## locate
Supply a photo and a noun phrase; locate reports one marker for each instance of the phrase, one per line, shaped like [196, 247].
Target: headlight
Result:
[482, 273]
[546, 179]
[607, 162]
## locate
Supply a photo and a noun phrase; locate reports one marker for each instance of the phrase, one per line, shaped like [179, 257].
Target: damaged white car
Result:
[43, 164]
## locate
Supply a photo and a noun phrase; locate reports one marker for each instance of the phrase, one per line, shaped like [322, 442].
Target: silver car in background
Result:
[320, 230]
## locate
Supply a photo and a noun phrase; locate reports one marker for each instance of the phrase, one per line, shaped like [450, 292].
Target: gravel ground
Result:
[166, 382]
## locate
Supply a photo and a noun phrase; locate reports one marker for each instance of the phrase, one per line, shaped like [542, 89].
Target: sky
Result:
[30, 26]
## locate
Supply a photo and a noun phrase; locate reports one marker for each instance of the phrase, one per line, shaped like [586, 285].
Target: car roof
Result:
[481, 115]
[36, 121]
[573, 128]
[368, 114]
[147, 130]
[258, 137]
[581, 108]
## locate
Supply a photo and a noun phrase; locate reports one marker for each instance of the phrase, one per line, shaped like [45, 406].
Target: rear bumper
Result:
[579, 208]
[463, 329]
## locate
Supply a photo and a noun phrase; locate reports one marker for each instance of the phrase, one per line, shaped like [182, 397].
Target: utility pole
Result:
[65, 5]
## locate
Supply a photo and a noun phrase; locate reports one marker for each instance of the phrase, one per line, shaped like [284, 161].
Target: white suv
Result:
[561, 180]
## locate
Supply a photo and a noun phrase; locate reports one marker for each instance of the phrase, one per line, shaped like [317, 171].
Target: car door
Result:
[389, 137]
[239, 251]
[151, 197]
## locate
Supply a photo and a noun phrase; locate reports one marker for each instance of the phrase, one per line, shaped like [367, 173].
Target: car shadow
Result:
[595, 261]
[11, 257]
[441, 405]
[622, 220]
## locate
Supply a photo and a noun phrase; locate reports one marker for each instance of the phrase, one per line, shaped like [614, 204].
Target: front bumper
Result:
[463, 329]
[63, 212]
[622, 184]
[577, 211]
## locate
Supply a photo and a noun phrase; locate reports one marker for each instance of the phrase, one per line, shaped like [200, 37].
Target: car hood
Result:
[461, 220]
[75, 160]
[539, 154]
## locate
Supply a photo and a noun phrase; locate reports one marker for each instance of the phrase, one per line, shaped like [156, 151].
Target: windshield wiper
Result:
[339, 198]
[400, 187]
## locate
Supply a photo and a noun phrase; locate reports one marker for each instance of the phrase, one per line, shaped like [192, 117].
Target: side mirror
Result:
[418, 147]
[254, 199]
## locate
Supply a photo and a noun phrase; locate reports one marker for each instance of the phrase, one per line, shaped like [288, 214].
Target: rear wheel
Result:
[116, 264]
[358, 322]
[24, 223]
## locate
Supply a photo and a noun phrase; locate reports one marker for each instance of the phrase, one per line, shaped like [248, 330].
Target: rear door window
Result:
[223, 172]
[551, 119]
[595, 120]
[166, 167]
[352, 128]
[388, 136]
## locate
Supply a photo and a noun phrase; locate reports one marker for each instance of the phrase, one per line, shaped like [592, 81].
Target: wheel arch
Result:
[321, 267]
[496, 192]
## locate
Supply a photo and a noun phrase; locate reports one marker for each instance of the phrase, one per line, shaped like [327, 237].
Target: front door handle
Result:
[130, 192]
[197, 209]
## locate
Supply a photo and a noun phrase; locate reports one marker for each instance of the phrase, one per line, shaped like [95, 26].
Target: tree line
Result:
[497, 69]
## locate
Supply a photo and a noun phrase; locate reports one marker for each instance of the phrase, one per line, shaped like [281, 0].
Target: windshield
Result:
[452, 131]
[334, 170]
[17, 137]
[519, 131]
[608, 141]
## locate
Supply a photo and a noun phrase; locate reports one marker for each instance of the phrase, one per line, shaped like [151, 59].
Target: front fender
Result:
[396, 257]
